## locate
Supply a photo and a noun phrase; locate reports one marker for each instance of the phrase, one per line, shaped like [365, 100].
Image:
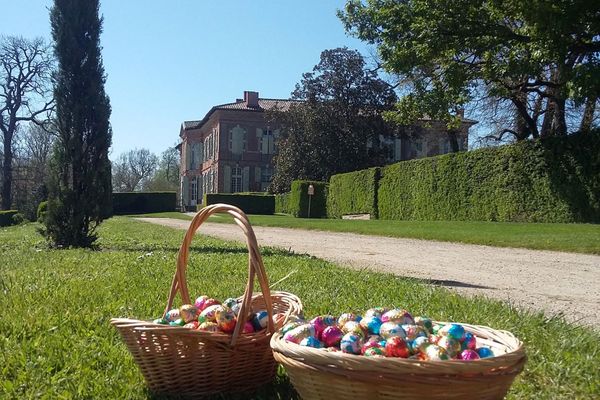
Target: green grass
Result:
[578, 238]
[56, 342]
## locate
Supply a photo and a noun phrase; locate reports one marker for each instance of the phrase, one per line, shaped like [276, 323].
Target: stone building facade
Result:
[231, 149]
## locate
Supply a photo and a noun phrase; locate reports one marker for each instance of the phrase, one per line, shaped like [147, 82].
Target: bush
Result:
[143, 202]
[298, 199]
[282, 203]
[353, 193]
[249, 203]
[18, 219]
[549, 180]
[7, 217]
[42, 210]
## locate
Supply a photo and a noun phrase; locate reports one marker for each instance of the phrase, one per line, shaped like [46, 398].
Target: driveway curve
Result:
[554, 282]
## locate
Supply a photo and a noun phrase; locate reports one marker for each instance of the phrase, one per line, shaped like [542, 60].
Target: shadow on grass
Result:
[265, 251]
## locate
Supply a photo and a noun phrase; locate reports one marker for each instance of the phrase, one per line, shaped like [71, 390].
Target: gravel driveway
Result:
[554, 282]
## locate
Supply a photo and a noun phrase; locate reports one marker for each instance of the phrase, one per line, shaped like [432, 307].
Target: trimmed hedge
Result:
[282, 203]
[298, 199]
[42, 210]
[249, 203]
[353, 193]
[8, 217]
[143, 202]
[549, 180]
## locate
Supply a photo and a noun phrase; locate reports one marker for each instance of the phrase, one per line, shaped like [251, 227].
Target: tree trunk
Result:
[531, 127]
[588, 114]
[548, 118]
[560, 120]
[7, 172]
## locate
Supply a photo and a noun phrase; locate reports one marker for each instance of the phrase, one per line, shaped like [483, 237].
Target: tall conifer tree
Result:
[80, 183]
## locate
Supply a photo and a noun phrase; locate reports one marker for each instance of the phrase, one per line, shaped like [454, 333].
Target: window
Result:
[267, 142]
[237, 140]
[266, 177]
[194, 190]
[236, 179]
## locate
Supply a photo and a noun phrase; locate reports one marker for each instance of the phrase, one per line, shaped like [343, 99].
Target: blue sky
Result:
[170, 61]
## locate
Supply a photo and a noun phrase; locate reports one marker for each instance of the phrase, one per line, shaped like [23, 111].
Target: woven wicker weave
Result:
[319, 374]
[183, 361]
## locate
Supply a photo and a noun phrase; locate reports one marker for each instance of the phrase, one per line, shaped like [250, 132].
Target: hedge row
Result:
[549, 180]
[10, 217]
[143, 202]
[353, 193]
[299, 200]
[282, 203]
[249, 203]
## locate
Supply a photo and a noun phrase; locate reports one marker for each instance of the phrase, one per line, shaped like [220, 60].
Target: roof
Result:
[241, 105]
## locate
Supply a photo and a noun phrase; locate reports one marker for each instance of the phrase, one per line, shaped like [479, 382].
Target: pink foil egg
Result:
[199, 303]
[209, 302]
[248, 327]
[468, 355]
[331, 336]
[470, 342]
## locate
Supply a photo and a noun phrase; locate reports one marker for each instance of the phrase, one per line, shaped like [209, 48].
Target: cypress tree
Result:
[80, 178]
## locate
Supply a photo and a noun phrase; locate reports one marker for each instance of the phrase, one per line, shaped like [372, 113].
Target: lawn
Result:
[578, 238]
[56, 341]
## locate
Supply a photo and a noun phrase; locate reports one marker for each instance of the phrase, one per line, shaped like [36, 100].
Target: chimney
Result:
[251, 99]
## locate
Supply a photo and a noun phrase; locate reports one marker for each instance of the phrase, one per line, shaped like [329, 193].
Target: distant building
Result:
[231, 149]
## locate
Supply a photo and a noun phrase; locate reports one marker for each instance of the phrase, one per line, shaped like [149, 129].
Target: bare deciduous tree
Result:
[132, 169]
[25, 95]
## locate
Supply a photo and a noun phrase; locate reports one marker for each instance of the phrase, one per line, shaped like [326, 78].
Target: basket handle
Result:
[255, 266]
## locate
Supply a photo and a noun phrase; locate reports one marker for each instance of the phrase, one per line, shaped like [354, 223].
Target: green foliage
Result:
[77, 354]
[42, 210]
[80, 179]
[551, 180]
[18, 219]
[447, 53]
[7, 217]
[143, 202]
[248, 203]
[353, 193]
[299, 200]
[327, 133]
[282, 203]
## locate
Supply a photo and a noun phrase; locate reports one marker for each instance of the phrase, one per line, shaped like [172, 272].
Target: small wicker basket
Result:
[182, 361]
[320, 374]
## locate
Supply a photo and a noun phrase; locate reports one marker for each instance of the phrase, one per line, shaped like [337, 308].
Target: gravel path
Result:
[554, 282]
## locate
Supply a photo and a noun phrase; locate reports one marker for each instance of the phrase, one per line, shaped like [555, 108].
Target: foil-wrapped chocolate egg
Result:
[260, 320]
[209, 314]
[208, 303]
[161, 321]
[419, 344]
[177, 322]
[208, 327]
[468, 355]
[289, 326]
[297, 334]
[248, 327]
[236, 308]
[413, 331]
[320, 323]
[354, 327]
[172, 315]
[351, 343]
[470, 342]
[226, 320]
[485, 352]
[397, 347]
[371, 324]
[192, 325]
[375, 352]
[391, 329]
[455, 331]
[230, 302]
[435, 353]
[426, 323]
[199, 303]
[311, 342]
[451, 345]
[399, 316]
[372, 341]
[347, 317]
[188, 312]
[331, 336]
[375, 312]
[436, 328]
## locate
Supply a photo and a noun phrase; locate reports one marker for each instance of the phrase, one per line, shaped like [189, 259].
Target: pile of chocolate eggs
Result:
[208, 314]
[382, 332]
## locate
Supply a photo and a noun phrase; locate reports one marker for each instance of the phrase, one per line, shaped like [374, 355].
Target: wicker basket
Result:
[319, 374]
[182, 361]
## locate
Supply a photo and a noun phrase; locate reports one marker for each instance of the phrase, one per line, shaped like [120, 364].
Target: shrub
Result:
[353, 193]
[42, 210]
[143, 202]
[249, 203]
[7, 217]
[549, 180]
[298, 199]
[18, 219]
[282, 203]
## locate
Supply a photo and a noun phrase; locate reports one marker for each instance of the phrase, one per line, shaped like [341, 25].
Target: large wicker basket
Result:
[182, 361]
[319, 374]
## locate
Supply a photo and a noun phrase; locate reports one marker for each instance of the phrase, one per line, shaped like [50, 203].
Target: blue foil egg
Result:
[485, 352]
[371, 324]
[455, 331]
[351, 343]
[259, 320]
[391, 329]
[311, 342]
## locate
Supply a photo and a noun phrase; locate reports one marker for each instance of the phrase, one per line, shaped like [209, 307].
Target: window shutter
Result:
[184, 190]
[257, 174]
[397, 149]
[245, 179]
[226, 179]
